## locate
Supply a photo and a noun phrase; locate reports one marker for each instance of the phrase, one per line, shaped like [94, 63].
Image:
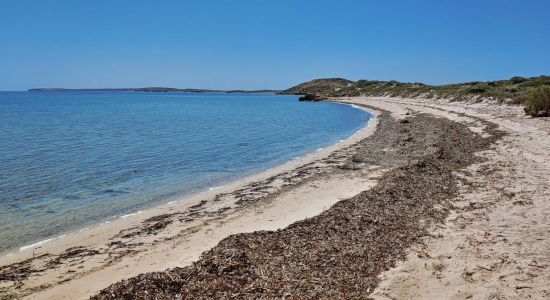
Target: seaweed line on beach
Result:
[339, 253]
[136, 239]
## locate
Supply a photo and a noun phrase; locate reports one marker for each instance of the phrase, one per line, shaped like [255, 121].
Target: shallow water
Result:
[70, 159]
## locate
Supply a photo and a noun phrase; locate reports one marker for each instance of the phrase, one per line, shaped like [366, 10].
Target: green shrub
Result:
[518, 79]
[538, 103]
[477, 90]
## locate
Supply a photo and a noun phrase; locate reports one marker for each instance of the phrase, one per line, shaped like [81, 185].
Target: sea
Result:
[70, 159]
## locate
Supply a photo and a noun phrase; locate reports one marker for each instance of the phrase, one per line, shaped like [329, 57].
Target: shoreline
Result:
[461, 213]
[205, 192]
[339, 253]
[133, 231]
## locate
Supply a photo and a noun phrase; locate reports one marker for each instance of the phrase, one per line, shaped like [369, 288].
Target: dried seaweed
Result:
[339, 253]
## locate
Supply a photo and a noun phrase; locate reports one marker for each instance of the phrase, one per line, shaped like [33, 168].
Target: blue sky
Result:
[267, 44]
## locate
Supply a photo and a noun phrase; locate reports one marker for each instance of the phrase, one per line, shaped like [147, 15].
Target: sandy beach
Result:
[433, 199]
[262, 150]
[79, 264]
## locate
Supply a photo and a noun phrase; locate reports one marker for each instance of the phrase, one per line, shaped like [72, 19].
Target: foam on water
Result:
[35, 245]
[216, 188]
[130, 215]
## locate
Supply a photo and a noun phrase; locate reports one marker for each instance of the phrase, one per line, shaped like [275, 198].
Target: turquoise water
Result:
[69, 159]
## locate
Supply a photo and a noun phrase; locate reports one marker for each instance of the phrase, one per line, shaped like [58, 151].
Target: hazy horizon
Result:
[267, 45]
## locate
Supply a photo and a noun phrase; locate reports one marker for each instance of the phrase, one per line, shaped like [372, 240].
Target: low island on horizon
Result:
[150, 89]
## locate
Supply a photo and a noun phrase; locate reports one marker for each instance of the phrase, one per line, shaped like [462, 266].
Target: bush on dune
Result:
[538, 103]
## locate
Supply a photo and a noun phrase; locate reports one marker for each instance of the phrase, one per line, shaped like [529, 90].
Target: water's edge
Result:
[313, 154]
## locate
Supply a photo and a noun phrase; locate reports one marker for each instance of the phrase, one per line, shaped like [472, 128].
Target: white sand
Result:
[496, 242]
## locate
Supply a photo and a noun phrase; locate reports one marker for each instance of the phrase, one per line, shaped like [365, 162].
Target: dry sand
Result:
[493, 244]
[496, 241]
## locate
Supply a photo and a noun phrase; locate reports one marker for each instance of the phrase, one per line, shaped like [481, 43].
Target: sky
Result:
[256, 44]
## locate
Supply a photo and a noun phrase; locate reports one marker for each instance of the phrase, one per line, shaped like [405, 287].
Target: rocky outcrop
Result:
[319, 86]
[311, 97]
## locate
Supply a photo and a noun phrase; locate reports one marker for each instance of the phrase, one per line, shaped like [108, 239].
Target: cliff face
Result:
[514, 90]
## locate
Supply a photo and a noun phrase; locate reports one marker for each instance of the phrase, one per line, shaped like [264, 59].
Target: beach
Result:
[430, 194]
[156, 237]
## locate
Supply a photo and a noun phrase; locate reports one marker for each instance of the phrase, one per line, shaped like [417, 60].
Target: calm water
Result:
[71, 159]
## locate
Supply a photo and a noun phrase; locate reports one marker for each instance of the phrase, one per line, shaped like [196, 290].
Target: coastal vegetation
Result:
[538, 103]
[515, 90]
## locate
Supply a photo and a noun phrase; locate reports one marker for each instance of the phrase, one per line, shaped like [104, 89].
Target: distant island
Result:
[153, 90]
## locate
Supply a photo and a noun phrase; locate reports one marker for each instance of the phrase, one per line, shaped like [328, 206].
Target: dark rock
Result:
[310, 97]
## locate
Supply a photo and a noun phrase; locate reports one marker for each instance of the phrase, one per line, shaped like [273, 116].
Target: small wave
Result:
[319, 149]
[129, 215]
[72, 197]
[83, 229]
[216, 187]
[112, 192]
[35, 245]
